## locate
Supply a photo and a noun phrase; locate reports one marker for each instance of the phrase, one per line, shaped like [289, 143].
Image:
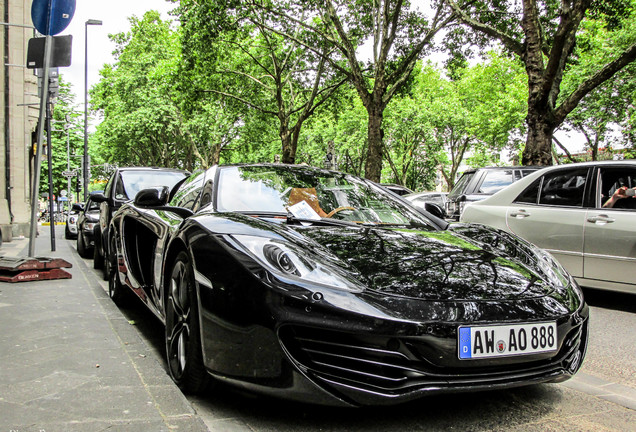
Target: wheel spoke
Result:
[177, 347]
[179, 295]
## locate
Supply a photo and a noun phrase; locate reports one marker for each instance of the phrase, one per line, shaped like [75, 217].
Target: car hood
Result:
[433, 265]
[463, 263]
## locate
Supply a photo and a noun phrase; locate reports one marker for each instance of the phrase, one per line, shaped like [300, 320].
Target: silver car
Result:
[561, 209]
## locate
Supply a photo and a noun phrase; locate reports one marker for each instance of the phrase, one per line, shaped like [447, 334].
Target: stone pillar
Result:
[18, 119]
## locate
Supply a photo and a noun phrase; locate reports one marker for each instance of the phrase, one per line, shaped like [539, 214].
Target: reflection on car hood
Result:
[433, 265]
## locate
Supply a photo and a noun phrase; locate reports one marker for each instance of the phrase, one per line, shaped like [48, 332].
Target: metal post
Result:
[85, 173]
[38, 154]
[68, 162]
[49, 144]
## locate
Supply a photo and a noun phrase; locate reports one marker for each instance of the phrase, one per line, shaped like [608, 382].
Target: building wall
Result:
[18, 119]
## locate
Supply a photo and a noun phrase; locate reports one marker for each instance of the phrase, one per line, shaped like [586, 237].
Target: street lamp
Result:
[85, 173]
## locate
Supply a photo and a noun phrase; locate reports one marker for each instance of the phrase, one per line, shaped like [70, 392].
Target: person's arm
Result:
[618, 194]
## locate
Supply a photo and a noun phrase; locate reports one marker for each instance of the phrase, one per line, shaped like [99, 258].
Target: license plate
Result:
[477, 342]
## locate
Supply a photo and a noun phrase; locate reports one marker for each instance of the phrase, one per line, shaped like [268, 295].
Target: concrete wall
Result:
[18, 119]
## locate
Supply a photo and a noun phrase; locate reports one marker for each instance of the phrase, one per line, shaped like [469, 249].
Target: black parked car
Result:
[87, 220]
[122, 186]
[478, 184]
[324, 287]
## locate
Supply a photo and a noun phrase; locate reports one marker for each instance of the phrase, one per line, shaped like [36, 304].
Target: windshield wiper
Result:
[291, 220]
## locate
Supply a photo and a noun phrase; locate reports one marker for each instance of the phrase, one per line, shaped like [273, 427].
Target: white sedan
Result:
[584, 214]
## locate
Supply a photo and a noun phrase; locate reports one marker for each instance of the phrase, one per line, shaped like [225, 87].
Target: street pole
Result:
[67, 126]
[38, 154]
[52, 203]
[85, 173]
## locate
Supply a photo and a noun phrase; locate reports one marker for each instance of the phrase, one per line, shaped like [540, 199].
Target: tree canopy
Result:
[289, 81]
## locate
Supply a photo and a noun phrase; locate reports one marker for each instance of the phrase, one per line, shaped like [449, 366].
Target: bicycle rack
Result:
[32, 269]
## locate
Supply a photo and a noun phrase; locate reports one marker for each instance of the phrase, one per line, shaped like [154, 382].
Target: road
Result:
[602, 397]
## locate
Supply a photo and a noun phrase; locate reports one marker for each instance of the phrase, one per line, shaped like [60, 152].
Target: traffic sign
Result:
[69, 173]
[50, 17]
[60, 52]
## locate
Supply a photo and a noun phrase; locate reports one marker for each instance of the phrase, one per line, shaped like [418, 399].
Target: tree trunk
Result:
[538, 149]
[289, 150]
[373, 167]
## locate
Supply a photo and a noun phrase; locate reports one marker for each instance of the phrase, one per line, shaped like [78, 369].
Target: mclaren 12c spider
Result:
[320, 286]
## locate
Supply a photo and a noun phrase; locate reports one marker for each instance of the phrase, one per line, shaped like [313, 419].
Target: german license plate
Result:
[477, 342]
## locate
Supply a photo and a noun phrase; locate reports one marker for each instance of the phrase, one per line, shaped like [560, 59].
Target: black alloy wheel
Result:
[117, 292]
[183, 335]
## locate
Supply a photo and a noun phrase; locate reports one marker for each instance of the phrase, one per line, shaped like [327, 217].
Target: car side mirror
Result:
[77, 207]
[98, 197]
[434, 209]
[152, 197]
[157, 199]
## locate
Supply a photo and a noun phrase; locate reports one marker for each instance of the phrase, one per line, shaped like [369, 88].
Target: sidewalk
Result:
[71, 361]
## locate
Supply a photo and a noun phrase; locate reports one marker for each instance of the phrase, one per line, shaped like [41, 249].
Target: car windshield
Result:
[134, 181]
[310, 194]
[495, 181]
[461, 184]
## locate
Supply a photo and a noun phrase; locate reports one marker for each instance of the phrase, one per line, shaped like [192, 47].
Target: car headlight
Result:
[72, 219]
[88, 226]
[289, 262]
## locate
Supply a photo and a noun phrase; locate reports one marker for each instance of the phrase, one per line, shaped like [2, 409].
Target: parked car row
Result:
[321, 286]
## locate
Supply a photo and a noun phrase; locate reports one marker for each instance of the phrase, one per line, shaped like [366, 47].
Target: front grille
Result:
[397, 366]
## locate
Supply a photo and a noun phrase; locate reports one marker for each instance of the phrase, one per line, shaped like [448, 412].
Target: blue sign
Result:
[50, 17]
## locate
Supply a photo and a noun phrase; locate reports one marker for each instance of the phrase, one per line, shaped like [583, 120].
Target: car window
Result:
[109, 185]
[560, 188]
[92, 205]
[120, 193]
[189, 192]
[132, 181]
[461, 184]
[563, 188]
[613, 178]
[530, 194]
[495, 181]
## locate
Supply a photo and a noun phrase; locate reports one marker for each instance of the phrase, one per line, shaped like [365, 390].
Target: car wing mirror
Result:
[152, 197]
[98, 197]
[157, 199]
[77, 207]
[434, 209]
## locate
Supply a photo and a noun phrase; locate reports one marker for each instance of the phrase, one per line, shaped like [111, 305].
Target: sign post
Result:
[49, 18]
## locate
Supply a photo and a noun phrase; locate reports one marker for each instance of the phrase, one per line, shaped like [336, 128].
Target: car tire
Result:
[117, 292]
[183, 334]
[82, 250]
[98, 258]
[67, 233]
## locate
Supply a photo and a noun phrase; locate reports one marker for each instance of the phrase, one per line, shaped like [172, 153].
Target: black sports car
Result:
[317, 285]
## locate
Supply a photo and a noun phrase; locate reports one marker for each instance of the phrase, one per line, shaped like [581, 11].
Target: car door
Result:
[610, 243]
[550, 214]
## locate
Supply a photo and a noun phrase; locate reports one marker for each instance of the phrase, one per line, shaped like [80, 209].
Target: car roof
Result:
[135, 168]
[517, 167]
[419, 194]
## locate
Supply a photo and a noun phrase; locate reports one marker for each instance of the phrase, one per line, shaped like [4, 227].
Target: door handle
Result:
[600, 219]
[520, 214]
